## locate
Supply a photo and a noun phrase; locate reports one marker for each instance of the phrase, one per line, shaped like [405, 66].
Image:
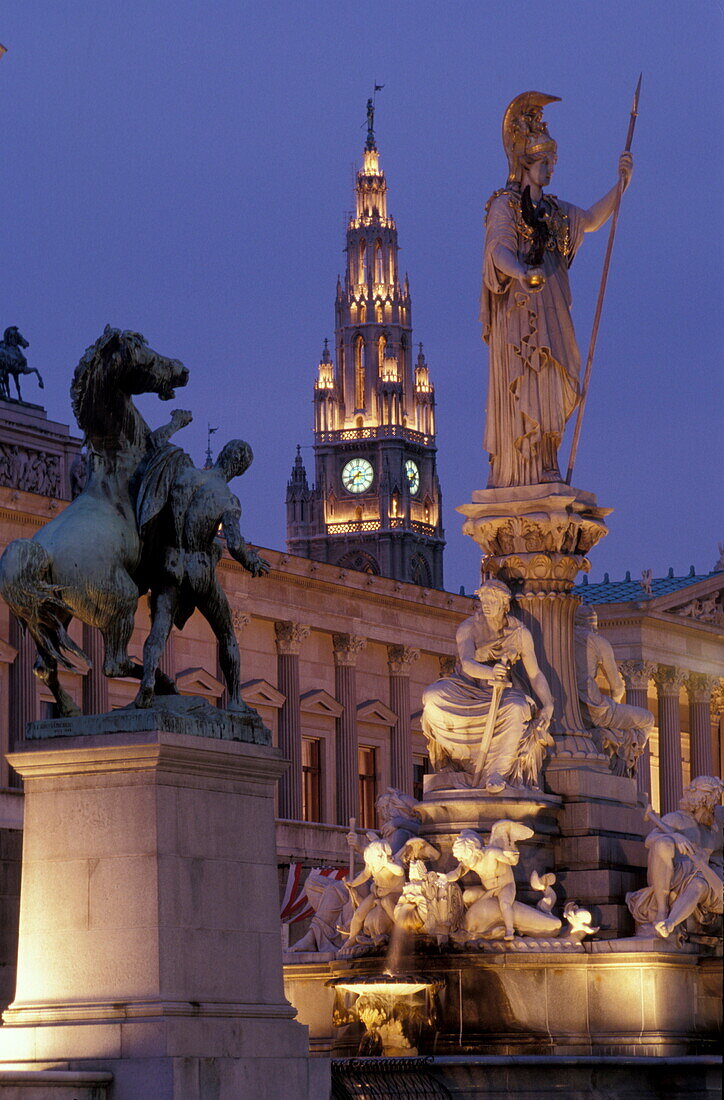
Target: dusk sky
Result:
[184, 169]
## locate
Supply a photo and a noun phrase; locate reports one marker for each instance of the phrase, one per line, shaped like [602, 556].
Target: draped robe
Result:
[534, 362]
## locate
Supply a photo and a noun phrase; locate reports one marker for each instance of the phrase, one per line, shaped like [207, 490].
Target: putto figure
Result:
[492, 910]
[681, 882]
[625, 729]
[480, 724]
[530, 241]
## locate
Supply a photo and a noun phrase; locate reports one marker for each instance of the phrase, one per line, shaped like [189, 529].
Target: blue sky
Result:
[184, 169]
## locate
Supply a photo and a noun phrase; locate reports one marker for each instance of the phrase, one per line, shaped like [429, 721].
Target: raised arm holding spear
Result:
[602, 289]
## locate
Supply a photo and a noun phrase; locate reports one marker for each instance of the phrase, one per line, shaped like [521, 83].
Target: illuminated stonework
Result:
[377, 496]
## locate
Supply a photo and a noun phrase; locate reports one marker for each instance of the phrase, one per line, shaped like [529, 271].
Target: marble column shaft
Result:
[699, 687]
[637, 675]
[346, 648]
[289, 638]
[95, 684]
[669, 681]
[399, 660]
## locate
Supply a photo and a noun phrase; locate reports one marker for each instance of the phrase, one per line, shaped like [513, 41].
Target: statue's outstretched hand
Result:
[534, 279]
[625, 167]
[256, 564]
[683, 845]
[180, 418]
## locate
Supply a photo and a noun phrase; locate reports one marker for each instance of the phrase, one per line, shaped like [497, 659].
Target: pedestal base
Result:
[149, 929]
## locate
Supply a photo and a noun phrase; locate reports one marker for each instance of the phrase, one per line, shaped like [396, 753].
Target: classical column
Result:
[669, 681]
[23, 688]
[400, 659]
[346, 648]
[289, 638]
[699, 687]
[637, 675]
[717, 711]
[95, 684]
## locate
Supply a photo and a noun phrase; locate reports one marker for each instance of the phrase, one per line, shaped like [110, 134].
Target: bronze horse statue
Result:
[13, 362]
[82, 563]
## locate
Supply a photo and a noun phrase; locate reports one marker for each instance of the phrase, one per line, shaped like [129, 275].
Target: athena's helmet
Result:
[525, 134]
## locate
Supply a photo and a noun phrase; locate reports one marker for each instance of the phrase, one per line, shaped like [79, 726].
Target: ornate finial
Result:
[326, 358]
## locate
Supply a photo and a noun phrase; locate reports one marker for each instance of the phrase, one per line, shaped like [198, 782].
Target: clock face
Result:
[357, 475]
[413, 475]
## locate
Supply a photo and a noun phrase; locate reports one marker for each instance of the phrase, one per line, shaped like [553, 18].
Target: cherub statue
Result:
[624, 729]
[492, 910]
[681, 882]
[374, 914]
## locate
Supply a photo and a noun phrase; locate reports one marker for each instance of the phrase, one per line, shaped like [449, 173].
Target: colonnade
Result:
[702, 698]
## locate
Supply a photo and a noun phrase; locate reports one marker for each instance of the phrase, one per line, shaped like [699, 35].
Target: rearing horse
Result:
[12, 361]
[82, 563]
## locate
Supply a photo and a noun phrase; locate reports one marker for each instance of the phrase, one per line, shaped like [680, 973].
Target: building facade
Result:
[375, 505]
[335, 660]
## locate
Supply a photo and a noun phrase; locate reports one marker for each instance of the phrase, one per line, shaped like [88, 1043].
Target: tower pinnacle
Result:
[376, 503]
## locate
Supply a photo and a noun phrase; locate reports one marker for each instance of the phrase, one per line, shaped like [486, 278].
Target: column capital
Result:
[289, 636]
[637, 673]
[699, 687]
[346, 647]
[669, 679]
[447, 665]
[239, 619]
[717, 698]
[400, 659]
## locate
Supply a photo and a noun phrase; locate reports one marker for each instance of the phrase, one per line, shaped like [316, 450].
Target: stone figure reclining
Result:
[624, 729]
[682, 884]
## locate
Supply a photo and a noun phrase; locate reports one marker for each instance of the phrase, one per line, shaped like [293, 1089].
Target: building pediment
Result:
[376, 712]
[260, 693]
[319, 701]
[701, 602]
[198, 681]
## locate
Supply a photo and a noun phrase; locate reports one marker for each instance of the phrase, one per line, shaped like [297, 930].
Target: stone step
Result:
[54, 1084]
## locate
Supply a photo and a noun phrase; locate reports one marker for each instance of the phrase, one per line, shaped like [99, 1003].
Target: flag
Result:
[379, 87]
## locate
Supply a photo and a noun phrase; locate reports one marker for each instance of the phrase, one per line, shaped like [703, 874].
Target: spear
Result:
[602, 289]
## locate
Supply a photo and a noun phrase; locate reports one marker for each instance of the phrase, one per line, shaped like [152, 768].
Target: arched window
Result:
[359, 372]
[362, 261]
[420, 571]
[378, 313]
[361, 561]
[362, 313]
[391, 279]
[379, 263]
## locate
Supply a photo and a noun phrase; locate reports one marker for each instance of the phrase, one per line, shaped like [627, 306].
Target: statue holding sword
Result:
[479, 722]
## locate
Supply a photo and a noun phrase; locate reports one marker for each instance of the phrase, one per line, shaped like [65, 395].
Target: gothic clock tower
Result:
[376, 505]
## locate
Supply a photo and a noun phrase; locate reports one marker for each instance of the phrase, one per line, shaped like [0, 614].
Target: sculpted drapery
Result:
[534, 361]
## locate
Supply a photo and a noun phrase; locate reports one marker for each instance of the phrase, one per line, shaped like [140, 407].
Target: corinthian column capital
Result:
[400, 659]
[637, 674]
[289, 636]
[346, 647]
[699, 687]
[717, 697]
[669, 679]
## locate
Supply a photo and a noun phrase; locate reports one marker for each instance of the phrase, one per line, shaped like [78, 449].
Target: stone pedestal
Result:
[536, 538]
[149, 923]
